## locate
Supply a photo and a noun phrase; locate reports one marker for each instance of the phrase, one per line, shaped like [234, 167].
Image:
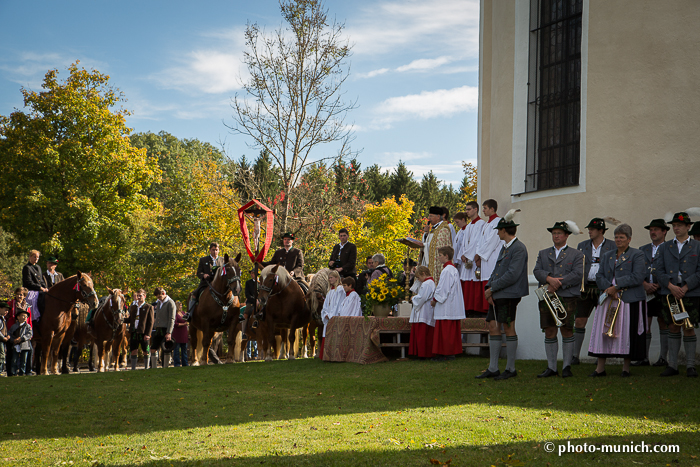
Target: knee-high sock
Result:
[551, 348]
[494, 351]
[154, 361]
[567, 344]
[663, 344]
[133, 361]
[579, 336]
[511, 349]
[648, 343]
[674, 346]
[146, 361]
[690, 344]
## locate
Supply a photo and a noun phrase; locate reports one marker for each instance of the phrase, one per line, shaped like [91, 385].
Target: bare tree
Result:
[293, 102]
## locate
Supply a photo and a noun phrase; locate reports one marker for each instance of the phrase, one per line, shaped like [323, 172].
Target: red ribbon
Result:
[246, 236]
[77, 286]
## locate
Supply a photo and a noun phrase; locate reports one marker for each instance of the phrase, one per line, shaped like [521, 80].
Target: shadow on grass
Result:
[135, 402]
[591, 451]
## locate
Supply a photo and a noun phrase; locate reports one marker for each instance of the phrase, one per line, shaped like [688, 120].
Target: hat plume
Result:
[573, 228]
[668, 217]
[694, 213]
[612, 220]
[509, 215]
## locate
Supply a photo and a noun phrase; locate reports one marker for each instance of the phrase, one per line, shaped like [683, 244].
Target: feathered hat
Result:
[567, 226]
[507, 220]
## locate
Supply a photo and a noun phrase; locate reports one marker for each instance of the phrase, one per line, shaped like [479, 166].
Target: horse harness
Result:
[269, 289]
[219, 298]
[75, 303]
[117, 318]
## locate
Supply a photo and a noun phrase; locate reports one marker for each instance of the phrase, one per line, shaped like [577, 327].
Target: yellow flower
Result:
[374, 295]
[394, 293]
[382, 297]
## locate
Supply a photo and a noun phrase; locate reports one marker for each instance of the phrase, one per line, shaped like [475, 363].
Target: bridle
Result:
[117, 318]
[220, 298]
[267, 289]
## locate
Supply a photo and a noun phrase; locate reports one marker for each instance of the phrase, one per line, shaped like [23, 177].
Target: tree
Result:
[294, 102]
[378, 184]
[71, 183]
[469, 184]
[401, 182]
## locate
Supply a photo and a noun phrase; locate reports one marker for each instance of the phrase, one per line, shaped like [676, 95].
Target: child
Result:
[351, 303]
[20, 338]
[331, 305]
[422, 319]
[3, 336]
[449, 309]
[15, 305]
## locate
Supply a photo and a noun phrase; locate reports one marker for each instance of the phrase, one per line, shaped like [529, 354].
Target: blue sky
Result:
[414, 68]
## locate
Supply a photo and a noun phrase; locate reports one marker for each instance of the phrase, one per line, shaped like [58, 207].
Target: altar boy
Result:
[351, 305]
[422, 317]
[449, 309]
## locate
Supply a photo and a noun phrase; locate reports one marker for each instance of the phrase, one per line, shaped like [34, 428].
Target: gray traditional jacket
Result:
[628, 273]
[668, 263]
[509, 277]
[165, 315]
[568, 267]
[23, 331]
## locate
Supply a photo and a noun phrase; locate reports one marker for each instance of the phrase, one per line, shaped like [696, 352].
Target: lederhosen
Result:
[137, 338]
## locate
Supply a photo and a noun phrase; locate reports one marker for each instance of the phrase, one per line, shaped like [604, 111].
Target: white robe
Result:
[458, 245]
[423, 311]
[488, 249]
[448, 294]
[351, 305]
[472, 238]
[331, 306]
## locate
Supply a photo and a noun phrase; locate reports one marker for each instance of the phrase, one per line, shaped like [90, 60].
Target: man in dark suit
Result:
[32, 279]
[657, 233]
[344, 255]
[51, 276]
[205, 272]
[140, 324]
[560, 268]
[593, 249]
[291, 258]
[677, 268]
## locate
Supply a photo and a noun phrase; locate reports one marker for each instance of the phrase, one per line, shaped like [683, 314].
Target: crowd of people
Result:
[482, 271]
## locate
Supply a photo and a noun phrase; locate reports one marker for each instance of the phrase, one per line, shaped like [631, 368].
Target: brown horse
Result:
[56, 320]
[315, 298]
[217, 309]
[109, 328]
[283, 299]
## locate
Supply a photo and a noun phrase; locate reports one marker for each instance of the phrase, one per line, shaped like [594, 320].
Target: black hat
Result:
[168, 346]
[658, 223]
[597, 223]
[21, 312]
[3, 304]
[561, 226]
[681, 217]
[288, 235]
[695, 230]
[437, 210]
[52, 259]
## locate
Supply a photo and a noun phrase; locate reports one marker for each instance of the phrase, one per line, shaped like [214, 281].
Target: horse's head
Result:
[116, 305]
[231, 273]
[84, 288]
[273, 279]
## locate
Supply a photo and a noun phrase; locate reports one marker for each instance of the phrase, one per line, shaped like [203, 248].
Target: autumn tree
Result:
[71, 183]
[293, 104]
[469, 184]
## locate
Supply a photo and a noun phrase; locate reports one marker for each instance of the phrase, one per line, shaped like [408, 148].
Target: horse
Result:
[217, 309]
[285, 306]
[56, 320]
[109, 328]
[318, 289]
[80, 334]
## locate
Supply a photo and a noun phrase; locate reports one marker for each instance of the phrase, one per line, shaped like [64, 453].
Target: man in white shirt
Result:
[474, 300]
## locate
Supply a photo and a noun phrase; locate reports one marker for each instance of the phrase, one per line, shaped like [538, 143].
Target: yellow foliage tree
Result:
[469, 185]
[377, 229]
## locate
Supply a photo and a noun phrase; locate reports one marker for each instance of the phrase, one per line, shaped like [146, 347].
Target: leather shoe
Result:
[661, 362]
[626, 374]
[595, 374]
[669, 372]
[488, 374]
[691, 372]
[566, 372]
[644, 362]
[547, 373]
[506, 374]
[575, 361]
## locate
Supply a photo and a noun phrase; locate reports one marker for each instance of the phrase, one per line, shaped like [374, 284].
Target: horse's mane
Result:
[282, 273]
[319, 283]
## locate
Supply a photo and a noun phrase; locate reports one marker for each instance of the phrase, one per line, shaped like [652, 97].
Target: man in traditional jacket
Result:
[292, 259]
[51, 276]
[438, 237]
[140, 327]
[205, 272]
[344, 255]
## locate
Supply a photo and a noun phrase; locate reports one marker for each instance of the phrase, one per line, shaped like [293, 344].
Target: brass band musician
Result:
[619, 324]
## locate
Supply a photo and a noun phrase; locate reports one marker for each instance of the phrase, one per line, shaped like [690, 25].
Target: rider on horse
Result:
[292, 259]
[205, 272]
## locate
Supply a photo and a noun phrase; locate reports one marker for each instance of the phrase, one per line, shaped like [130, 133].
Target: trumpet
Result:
[553, 303]
[611, 317]
[677, 309]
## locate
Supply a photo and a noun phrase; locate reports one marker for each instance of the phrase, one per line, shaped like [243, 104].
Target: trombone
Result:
[677, 310]
[553, 303]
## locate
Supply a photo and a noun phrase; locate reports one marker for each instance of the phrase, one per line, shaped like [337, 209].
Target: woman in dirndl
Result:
[621, 275]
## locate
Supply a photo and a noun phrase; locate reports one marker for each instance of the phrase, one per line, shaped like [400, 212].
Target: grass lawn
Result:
[306, 412]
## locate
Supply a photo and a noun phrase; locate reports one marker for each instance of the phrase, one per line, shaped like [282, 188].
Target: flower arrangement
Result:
[384, 290]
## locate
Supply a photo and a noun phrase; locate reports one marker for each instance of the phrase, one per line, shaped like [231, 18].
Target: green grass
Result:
[306, 412]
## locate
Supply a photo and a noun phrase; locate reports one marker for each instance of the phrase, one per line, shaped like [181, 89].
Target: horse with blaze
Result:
[284, 304]
[58, 321]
